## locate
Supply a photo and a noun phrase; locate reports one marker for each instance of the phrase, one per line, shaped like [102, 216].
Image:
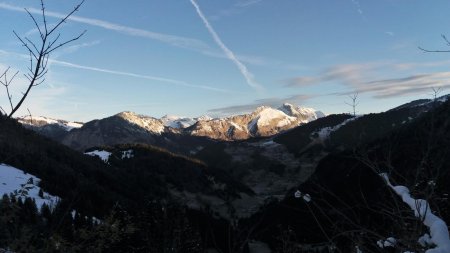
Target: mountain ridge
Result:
[264, 121]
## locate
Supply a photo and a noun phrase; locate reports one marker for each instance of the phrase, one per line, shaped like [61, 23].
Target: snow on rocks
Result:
[439, 235]
[265, 115]
[305, 196]
[20, 184]
[297, 111]
[39, 121]
[102, 154]
[264, 121]
[150, 124]
[177, 122]
[127, 154]
[425, 240]
[388, 242]
[236, 126]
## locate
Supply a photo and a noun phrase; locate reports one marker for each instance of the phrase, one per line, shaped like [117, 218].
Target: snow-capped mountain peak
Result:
[40, 121]
[295, 111]
[289, 109]
[264, 121]
[204, 118]
[264, 116]
[177, 122]
[148, 123]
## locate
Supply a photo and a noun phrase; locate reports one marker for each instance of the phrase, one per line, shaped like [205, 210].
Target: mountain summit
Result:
[127, 126]
[264, 121]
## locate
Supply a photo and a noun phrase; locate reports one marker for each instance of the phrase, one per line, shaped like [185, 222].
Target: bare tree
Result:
[435, 92]
[354, 102]
[39, 52]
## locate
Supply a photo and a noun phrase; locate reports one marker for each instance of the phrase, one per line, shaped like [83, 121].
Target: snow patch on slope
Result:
[102, 154]
[439, 234]
[182, 122]
[21, 184]
[325, 132]
[127, 154]
[388, 242]
[42, 121]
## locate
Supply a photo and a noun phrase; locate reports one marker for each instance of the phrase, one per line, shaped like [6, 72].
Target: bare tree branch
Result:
[6, 82]
[63, 20]
[39, 52]
[447, 42]
[35, 23]
[67, 42]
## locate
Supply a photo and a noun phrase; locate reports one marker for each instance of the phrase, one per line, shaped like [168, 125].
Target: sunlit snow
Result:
[325, 132]
[40, 121]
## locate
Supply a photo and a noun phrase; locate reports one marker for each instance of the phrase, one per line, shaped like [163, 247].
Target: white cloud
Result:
[358, 8]
[344, 73]
[242, 68]
[362, 78]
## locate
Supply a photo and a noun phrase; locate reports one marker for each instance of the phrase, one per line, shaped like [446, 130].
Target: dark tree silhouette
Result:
[39, 52]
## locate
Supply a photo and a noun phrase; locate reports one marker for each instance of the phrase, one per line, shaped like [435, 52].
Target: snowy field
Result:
[20, 184]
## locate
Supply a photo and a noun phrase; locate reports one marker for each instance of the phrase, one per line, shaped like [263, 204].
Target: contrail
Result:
[173, 40]
[230, 55]
[122, 73]
[154, 78]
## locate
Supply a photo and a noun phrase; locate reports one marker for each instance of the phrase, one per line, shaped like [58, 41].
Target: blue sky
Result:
[220, 57]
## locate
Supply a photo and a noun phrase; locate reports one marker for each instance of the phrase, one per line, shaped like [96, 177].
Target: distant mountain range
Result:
[129, 127]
